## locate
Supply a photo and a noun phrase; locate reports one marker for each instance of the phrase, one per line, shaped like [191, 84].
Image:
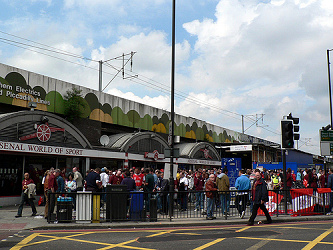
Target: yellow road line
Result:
[108, 245]
[318, 239]
[209, 244]
[271, 239]
[243, 229]
[302, 228]
[123, 244]
[187, 233]
[160, 233]
[24, 241]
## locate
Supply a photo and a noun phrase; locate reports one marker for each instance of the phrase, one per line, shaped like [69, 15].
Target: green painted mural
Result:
[14, 90]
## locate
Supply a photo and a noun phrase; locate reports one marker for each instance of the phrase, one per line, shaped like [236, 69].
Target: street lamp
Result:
[329, 83]
[171, 180]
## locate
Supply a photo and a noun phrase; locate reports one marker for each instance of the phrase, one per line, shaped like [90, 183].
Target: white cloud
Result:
[252, 57]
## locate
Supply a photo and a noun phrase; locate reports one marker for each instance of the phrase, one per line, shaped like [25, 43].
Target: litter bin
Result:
[83, 206]
[153, 209]
[116, 202]
[64, 209]
[136, 205]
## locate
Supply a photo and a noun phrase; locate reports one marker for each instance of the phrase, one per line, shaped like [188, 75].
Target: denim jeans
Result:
[225, 202]
[199, 197]
[24, 199]
[210, 207]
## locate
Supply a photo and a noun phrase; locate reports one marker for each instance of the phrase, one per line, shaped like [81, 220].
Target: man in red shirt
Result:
[25, 198]
[116, 179]
[52, 186]
[138, 178]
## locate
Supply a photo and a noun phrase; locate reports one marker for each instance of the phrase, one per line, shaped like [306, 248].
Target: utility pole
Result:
[122, 69]
[100, 76]
[171, 181]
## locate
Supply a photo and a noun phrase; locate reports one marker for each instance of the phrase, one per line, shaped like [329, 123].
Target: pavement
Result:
[28, 222]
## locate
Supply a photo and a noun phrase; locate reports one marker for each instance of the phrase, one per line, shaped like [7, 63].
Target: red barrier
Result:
[305, 200]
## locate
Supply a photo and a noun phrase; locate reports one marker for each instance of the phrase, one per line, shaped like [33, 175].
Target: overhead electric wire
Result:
[48, 46]
[14, 43]
[138, 80]
[53, 51]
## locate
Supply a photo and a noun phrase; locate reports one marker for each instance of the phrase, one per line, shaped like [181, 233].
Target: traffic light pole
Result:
[284, 180]
[329, 84]
[171, 180]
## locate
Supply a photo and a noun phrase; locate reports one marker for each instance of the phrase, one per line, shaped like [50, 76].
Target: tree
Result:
[74, 104]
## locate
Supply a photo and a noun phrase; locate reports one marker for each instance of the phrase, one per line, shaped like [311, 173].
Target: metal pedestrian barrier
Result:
[117, 204]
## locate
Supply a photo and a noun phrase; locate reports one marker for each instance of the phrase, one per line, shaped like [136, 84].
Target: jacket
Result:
[31, 191]
[210, 186]
[243, 183]
[259, 192]
[222, 182]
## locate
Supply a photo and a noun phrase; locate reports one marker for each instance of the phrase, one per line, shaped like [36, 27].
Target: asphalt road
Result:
[300, 235]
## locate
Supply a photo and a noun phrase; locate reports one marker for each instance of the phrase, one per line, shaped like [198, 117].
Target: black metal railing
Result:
[120, 205]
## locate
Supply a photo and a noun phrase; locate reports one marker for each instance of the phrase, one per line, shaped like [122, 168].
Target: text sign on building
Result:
[326, 142]
[241, 148]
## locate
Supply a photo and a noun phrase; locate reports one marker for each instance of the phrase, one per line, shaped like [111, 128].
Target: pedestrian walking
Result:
[259, 197]
[243, 185]
[28, 190]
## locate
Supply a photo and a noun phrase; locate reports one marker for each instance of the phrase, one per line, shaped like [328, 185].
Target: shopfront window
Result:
[10, 174]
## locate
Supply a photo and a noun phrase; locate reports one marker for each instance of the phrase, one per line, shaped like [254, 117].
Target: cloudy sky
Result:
[257, 58]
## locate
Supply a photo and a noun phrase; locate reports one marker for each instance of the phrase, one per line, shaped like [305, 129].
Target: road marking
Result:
[209, 244]
[272, 239]
[243, 229]
[160, 233]
[53, 238]
[302, 228]
[123, 244]
[24, 241]
[108, 245]
[318, 239]
[188, 233]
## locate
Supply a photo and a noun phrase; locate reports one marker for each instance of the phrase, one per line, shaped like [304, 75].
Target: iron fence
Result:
[120, 205]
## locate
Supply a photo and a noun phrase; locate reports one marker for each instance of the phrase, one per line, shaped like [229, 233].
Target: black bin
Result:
[116, 202]
[153, 209]
[64, 209]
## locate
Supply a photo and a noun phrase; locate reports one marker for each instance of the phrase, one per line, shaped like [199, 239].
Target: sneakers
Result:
[17, 216]
[195, 210]
[209, 218]
[328, 214]
[242, 215]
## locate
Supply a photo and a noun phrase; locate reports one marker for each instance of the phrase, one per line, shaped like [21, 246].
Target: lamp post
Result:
[329, 83]
[171, 181]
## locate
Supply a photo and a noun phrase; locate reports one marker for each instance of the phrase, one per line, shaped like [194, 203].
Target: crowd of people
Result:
[206, 189]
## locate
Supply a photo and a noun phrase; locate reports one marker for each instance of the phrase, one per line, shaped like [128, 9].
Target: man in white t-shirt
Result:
[183, 185]
[105, 180]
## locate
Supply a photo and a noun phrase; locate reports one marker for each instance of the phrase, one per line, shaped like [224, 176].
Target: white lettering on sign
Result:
[32, 148]
[241, 148]
[26, 96]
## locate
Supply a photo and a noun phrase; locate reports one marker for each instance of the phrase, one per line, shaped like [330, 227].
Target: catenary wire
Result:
[180, 94]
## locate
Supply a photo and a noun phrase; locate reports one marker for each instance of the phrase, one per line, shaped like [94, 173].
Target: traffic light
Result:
[296, 126]
[287, 139]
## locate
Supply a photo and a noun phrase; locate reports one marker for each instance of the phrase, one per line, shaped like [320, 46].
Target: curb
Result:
[168, 224]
